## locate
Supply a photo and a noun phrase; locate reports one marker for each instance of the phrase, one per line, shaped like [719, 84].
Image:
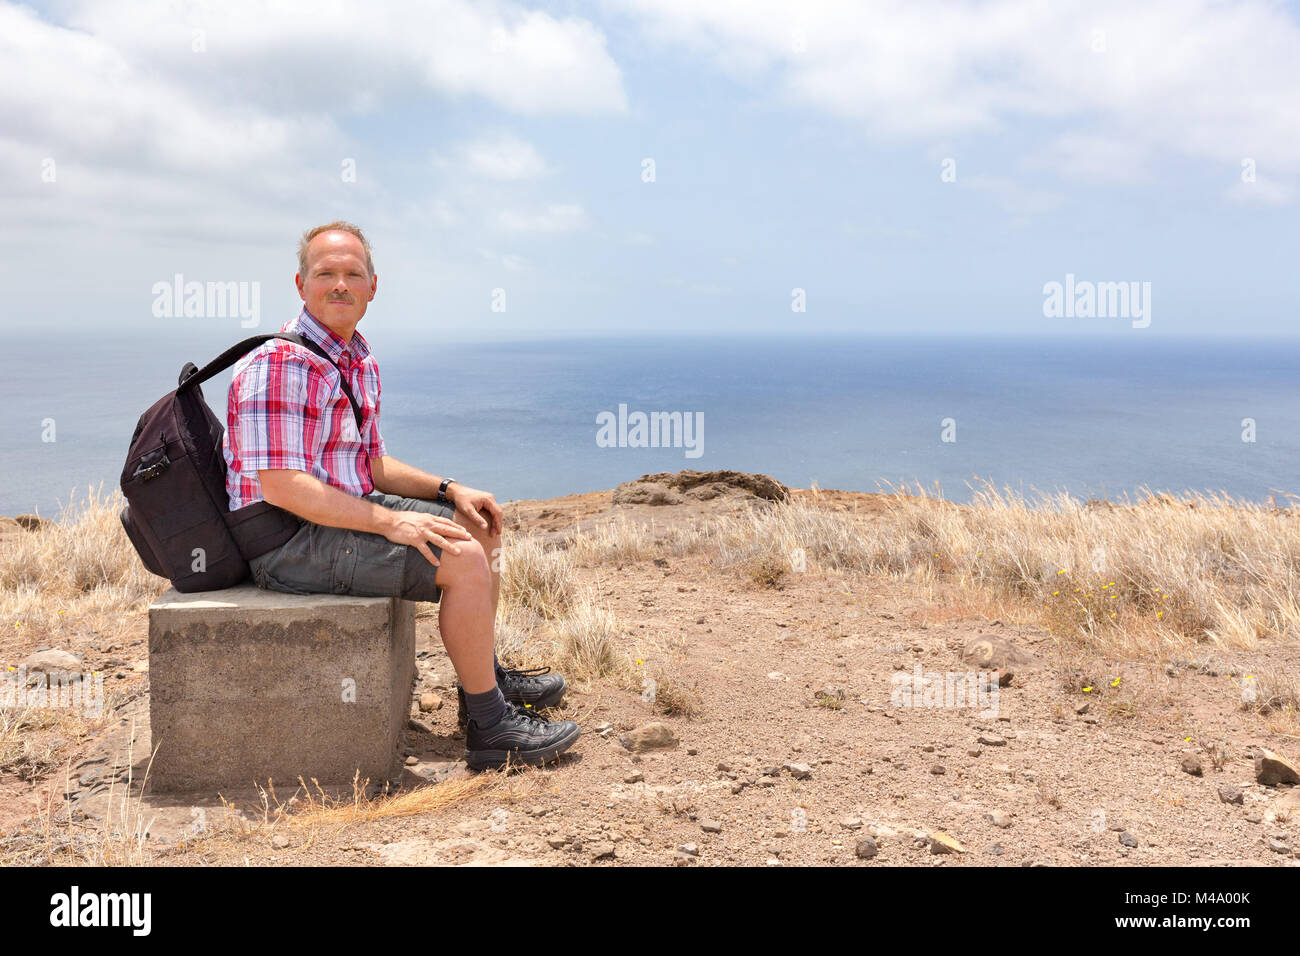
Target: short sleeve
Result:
[275, 423]
[375, 446]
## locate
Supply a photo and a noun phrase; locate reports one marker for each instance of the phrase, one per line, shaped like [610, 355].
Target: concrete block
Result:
[247, 684]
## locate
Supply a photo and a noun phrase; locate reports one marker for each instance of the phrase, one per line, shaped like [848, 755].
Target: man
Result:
[373, 525]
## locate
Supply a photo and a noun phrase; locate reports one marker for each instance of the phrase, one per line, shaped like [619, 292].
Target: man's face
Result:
[336, 288]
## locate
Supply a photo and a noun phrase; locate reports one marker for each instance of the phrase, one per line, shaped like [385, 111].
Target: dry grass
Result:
[588, 643]
[536, 577]
[671, 696]
[80, 570]
[620, 540]
[309, 810]
[119, 839]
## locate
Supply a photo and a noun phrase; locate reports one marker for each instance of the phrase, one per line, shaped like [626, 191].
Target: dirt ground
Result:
[767, 771]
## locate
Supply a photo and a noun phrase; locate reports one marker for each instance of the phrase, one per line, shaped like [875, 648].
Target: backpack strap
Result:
[192, 376]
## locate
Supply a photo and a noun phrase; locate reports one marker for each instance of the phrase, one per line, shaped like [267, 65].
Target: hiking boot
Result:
[521, 736]
[536, 687]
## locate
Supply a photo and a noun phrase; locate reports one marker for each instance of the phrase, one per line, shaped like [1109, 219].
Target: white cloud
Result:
[501, 156]
[348, 55]
[217, 119]
[1098, 159]
[1207, 79]
[1262, 192]
[551, 218]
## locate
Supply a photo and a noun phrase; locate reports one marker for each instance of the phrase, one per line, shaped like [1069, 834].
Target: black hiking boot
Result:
[521, 736]
[535, 687]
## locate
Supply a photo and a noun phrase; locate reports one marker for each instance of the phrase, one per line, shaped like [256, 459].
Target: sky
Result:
[680, 167]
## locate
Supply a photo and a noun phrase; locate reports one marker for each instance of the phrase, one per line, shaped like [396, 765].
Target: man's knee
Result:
[487, 539]
[472, 564]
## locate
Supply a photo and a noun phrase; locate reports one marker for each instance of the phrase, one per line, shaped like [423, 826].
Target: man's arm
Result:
[395, 477]
[310, 498]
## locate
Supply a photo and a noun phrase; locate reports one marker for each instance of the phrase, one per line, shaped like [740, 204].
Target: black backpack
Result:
[178, 514]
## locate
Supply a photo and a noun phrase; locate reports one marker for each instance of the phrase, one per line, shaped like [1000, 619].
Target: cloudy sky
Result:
[671, 166]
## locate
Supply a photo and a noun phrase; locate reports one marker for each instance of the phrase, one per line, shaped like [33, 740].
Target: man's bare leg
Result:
[491, 544]
[467, 615]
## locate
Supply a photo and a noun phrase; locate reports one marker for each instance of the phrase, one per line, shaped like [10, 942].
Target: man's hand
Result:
[476, 505]
[418, 529]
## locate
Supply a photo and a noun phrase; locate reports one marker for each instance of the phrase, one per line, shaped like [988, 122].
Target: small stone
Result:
[1192, 764]
[830, 692]
[1230, 794]
[851, 823]
[941, 843]
[429, 702]
[938, 769]
[690, 849]
[1277, 846]
[991, 740]
[54, 663]
[279, 841]
[1272, 769]
[998, 819]
[412, 760]
[1082, 708]
[601, 850]
[994, 850]
[800, 771]
[635, 777]
[32, 522]
[419, 726]
[556, 842]
[649, 736]
[1128, 839]
[1254, 818]
[866, 848]
[710, 826]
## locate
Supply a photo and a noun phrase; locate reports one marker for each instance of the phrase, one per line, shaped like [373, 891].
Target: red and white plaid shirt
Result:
[285, 409]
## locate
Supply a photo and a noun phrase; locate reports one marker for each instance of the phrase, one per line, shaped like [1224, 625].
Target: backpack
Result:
[178, 513]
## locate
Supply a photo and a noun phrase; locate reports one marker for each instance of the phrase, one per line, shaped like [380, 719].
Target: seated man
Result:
[373, 525]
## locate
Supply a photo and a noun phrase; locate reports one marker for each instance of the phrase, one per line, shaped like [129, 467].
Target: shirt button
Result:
[347, 550]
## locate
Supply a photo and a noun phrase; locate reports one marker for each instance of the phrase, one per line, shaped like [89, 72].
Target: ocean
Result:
[1096, 417]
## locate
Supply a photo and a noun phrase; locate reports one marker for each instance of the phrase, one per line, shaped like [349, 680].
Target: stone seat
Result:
[248, 684]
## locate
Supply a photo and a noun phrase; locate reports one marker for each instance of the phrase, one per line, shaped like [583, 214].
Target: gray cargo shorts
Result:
[320, 559]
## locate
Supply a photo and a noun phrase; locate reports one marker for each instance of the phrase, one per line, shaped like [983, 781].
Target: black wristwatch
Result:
[442, 489]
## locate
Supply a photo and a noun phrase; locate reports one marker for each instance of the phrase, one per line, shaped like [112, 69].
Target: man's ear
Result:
[297, 281]
[374, 285]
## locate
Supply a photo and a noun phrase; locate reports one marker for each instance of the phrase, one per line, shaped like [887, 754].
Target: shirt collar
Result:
[330, 341]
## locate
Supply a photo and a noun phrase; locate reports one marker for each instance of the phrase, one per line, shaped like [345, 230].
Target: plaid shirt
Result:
[281, 415]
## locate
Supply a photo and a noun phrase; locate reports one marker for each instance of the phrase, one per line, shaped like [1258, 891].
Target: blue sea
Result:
[1097, 417]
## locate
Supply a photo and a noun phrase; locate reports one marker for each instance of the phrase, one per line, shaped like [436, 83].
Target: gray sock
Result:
[486, 709]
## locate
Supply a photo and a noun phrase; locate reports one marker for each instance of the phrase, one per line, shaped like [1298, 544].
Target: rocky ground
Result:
[796, 754]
